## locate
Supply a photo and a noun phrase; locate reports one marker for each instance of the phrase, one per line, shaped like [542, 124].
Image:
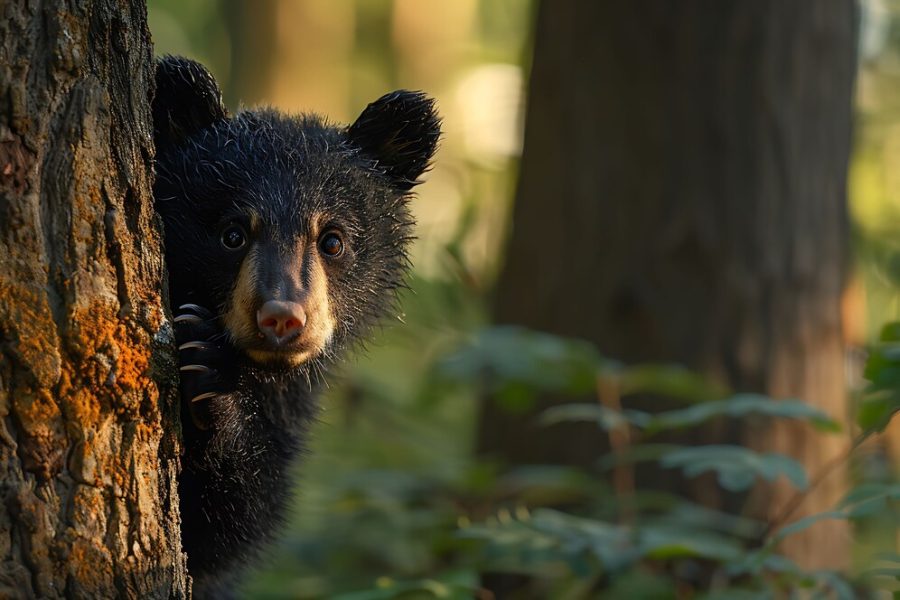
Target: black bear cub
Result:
[285, 241]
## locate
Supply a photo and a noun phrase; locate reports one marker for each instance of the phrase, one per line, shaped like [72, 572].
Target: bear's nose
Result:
[280, 321]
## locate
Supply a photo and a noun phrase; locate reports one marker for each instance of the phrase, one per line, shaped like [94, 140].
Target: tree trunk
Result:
[682, 199]
[293, 54]
[88, 454]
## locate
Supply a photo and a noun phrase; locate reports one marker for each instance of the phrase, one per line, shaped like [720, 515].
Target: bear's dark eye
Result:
[331, 244]
[234, 237]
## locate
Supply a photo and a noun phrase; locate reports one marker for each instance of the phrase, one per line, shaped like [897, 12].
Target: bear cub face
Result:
[291, 230]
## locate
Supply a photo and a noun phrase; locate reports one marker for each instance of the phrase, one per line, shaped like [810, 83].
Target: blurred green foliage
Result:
[413, 515]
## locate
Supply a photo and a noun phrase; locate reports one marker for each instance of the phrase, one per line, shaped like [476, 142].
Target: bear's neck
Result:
[288, 400]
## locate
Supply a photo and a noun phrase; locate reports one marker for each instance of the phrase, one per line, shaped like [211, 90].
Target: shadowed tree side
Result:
[682, 198]
[88, 450]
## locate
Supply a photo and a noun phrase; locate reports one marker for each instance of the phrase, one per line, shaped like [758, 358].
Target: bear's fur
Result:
[261, 207]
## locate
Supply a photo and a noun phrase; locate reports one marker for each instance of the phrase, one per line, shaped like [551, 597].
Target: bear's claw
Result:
[202, 347]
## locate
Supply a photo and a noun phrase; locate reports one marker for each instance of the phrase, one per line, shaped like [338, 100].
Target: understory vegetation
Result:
[415, 514]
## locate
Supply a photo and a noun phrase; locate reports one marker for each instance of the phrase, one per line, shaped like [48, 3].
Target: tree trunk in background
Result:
[251, 27]
[293, 54]
[89, 505]
[682, 199]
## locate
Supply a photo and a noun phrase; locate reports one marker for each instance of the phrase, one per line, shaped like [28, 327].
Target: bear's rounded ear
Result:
[187, 99]
[400, 131]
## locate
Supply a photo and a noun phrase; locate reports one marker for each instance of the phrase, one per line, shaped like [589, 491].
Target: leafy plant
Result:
[430, 529]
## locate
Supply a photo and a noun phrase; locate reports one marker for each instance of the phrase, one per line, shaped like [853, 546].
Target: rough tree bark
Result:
[87, 452]
[682, 199]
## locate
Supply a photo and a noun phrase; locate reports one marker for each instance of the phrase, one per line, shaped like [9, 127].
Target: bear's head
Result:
[291, 230]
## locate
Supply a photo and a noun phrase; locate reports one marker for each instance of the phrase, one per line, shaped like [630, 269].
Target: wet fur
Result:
[287, 178]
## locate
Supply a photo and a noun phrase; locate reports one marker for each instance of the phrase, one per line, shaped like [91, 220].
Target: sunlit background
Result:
[333, 58]
[391, 474]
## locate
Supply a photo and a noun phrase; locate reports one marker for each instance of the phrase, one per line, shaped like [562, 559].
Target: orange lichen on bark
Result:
[89, 563]
[81, 402]
[35, 407]
[32, 337]
[115, 352]
[102, 389]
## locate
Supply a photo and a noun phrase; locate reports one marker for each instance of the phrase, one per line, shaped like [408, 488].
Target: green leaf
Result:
[452, 586]
[868, 499]
[702, 518]
[667, 541]
[876, 410]
[805, 523]
[609, 542]
[736, 467]
[739, 406]
[892, 572]
[890, 332]
[882, 370]
[755, 563]
[833, 582]
[553, 536]
[538, 361]
[884, 572]
[606, 418]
